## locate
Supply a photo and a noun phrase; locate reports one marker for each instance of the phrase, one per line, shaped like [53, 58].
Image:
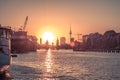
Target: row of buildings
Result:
[110, 40]
[60, 43]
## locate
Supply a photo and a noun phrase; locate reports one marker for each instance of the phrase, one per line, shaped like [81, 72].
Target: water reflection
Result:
[48, 64]
[66, 65]
[48, 61]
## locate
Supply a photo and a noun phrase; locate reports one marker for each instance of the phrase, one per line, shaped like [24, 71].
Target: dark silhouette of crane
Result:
[22, 28]
[78, 36]
[25, 23]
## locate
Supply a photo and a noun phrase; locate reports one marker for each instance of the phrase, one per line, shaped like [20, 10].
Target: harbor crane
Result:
[78, 35]
[25, 23]
[22, 28]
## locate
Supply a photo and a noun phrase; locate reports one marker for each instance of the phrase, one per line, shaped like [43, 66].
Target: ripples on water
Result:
[66, 65]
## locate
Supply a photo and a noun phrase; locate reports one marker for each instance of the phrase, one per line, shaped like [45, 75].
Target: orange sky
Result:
[85, 16]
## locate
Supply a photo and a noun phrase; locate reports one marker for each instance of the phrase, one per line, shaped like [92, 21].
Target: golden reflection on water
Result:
[48, 61]
[48, 75]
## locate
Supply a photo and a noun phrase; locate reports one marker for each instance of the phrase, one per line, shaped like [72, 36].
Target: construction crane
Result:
[78, 35]
[25, 23]
[22, 28]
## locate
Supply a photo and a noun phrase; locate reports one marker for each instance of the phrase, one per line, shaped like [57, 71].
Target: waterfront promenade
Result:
[66, 65]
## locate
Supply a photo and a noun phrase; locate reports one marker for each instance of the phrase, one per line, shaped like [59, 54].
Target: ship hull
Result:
[5, 61]
[22, 43]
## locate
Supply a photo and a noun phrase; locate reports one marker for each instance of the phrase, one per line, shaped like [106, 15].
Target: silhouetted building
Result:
[57, 42]
[40, 40]
[62, 41]
[47, 43]
[110, 40]
[72, 40]
[72, 44]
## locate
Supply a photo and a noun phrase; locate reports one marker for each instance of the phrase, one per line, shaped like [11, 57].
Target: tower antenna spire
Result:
[70, 33]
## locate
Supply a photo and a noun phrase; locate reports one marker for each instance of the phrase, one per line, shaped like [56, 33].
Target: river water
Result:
[66, 65]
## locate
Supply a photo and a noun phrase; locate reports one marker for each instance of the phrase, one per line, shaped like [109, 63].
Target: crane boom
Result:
[25, 23]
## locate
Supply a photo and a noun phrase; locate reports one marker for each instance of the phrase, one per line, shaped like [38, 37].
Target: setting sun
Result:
[48, 36]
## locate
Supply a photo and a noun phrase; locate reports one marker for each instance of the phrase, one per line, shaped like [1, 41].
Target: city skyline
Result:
[56, 16]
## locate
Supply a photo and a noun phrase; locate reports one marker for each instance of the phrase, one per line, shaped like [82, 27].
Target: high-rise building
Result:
[57, 42]
[72, 40]
[62, 40]
[40, 40]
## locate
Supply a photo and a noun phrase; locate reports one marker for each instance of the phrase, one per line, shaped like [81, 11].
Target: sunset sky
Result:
[85, 16]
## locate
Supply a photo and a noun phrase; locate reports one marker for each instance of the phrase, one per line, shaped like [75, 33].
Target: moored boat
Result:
[22, 43]
[5, 49]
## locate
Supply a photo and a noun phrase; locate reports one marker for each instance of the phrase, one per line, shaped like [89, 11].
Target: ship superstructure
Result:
[5, 47]
[21, 42]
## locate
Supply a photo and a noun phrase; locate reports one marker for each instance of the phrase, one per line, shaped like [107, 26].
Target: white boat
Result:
[5, 48]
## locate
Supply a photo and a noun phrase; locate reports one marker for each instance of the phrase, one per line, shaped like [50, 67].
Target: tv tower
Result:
[70, 33]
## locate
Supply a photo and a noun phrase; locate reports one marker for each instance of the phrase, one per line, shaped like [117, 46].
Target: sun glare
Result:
[48, 36]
